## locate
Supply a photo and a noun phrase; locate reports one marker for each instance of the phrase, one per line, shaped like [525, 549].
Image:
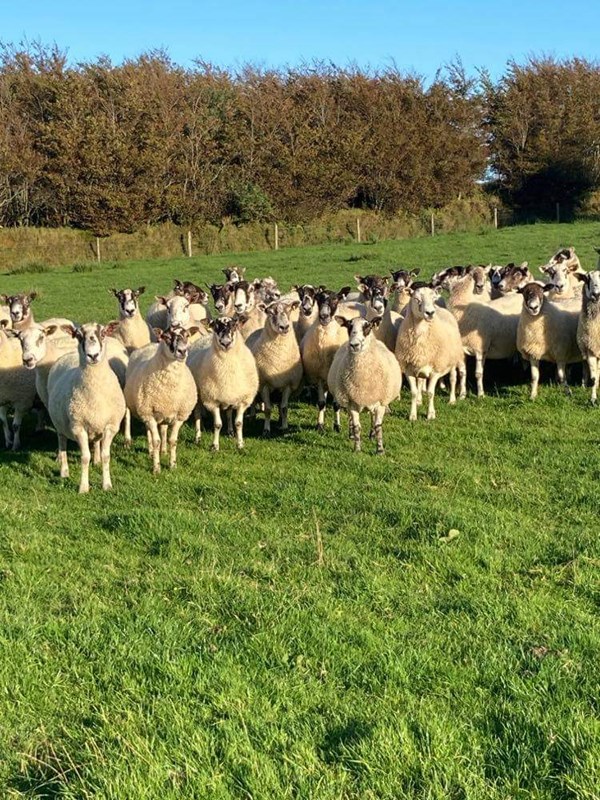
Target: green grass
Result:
[293, 621]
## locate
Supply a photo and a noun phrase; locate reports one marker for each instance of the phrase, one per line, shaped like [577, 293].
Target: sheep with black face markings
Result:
[364, 375]
[588, 327]
[17, 388]
[132, 330]
[429, 346]
[21, 314]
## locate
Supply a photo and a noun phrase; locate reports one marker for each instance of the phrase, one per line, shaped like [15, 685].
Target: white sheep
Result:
[308, 310]
[318, 348]
[21, 314]
[132, 330]
[17, 388]
[86, 403]
[429, 346]
[547, 331]
[364, 375]
[186, 305]
[226, 377]
[588, 327]
[41, 349]
[278, 360]
[160, 390]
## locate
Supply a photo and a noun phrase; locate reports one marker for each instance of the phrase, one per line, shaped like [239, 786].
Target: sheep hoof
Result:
[127, 444]
[337, 428]
[214, 448]
[156, 470]
[266, 434]
[321, 428]
[380, 451]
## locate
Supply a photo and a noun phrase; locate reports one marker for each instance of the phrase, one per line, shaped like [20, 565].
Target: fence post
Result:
[496, 218]
[276, 236]
[558, 212]
[432, 224]
[98, 249]
[358, 229]
[189, 244]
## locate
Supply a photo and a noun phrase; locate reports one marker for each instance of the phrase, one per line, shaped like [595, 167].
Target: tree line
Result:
[108, 147]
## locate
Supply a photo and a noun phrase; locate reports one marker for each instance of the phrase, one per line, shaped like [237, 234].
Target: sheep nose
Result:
[239, 307]
[429, 314]
[29, 361]
[284, 328]
[354, 346]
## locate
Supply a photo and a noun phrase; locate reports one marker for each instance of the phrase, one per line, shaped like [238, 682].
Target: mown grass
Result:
[294, 620]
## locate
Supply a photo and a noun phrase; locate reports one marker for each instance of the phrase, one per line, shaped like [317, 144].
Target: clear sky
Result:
[416, 35]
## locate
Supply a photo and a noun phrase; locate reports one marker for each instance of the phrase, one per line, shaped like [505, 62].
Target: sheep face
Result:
[243, 296]
[225, 330]
[327, 303]
[278, 316]
[176, 341]
[496, 275]
[592, 285]
[267, 289]
[376, 293]
[533, 297]
[128, 300]
[479, 275]
[514, 277]
[403, 279]
[307, 294]
[558, 275]
[221, 292]
[33, 341]
[447, 278]
[178, 310]
[422, 301]
[358, 331]
[91, 338]
[234, 274]
[18, 305]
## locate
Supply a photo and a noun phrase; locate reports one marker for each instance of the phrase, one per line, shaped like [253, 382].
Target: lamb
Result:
[547, 331]
[86, 403]
[429, 346]
[364, 374]
[318, 348]
[226, 377]
[588, 327]
[132, 331]
[161, 391]
[17, 388]
[278, 360]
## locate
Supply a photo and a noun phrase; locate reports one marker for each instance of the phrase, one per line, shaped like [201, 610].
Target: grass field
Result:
[299, 621]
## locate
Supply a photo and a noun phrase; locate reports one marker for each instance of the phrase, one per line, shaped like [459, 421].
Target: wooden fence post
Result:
[189, 244]
[276, 236]
[496, 218]
[358, 229]
[98, 249]
[432, 224]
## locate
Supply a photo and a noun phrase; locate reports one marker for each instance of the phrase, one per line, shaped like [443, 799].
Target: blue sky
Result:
[416, 35]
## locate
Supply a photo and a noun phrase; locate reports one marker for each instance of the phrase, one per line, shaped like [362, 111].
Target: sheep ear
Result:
[4, 323]
[375, 322]
[114, 292]
[343, 292]
[158, 332]
[162, 300]
[524, 264]
[32, 296]
[50, 329]
[71, 330]
[140, 290]
[210, 323]
[193, 330]
[240, 320]
[342, 321]
[293, 306]
[581, 276]
[110, 328]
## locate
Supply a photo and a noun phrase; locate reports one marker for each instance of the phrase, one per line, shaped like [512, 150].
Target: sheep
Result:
[226, 377]
[223, 296]
[278, 360]
[17, 388]
[547, 331]
[588, 327]
[266, 290]
[21, 315]
[564, 281]
[246, 302]
[234, 274]
[512, 276]
[318, 348]
[402, 280]
[86, 403]
[41, 349]
[364, 374]
[308, 310]
[161, 391]
[132, 331]
[465, 285]
[429, 346]
[186, 305]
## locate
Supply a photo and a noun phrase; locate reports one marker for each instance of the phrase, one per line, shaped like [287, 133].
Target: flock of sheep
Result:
[355, 345]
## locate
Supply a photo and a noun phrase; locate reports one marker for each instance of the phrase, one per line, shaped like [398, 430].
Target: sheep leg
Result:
[84, 445]
[337, 425]
[107, 438]
[585, 374]
[283, 408]
[321, 402]
[479, 364]
[173, 436]
[379, 415]
[154, 441]
[356, 429]
[266, 398]
[127, 428]
[230, 422]
[431, 384]
[62, 456]
[239, 426]
[97, 452]
[462, 371]
[420, 387]
[8, 438]
[414, 397]
[164, 430]
[150, 445]
[217, 425]
[16, 428]
[593, 368]
[452, 377]
[535, 377]
[198, 423]
[561, 371]
[41, 420]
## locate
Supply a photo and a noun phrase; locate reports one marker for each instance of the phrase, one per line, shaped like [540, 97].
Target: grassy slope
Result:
[182, 637]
